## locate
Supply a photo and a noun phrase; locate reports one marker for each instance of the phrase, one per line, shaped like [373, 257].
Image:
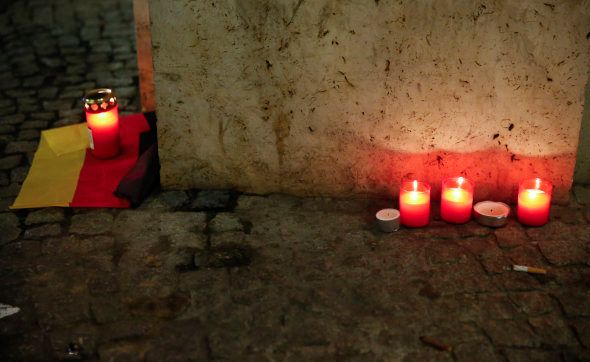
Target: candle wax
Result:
[414, 207]
[533, 207]
[104, 129]
[455, 205]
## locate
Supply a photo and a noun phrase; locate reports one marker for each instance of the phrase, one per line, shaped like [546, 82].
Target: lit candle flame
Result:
[537, 183]
[534, 193]
[415, 185]
[456, 195]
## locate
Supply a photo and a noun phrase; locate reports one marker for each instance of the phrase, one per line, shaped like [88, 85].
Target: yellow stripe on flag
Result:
[67, 139]
[53, 176]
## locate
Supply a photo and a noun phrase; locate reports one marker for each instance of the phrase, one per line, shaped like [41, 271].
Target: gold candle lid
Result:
[99, 100]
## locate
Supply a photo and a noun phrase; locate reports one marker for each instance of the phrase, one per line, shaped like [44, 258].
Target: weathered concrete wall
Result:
[582, 173]
[342, 97]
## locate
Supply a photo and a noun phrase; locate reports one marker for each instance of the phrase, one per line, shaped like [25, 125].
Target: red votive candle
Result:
[414, 203]
[456, 200]
[102, 117]
[534, 200]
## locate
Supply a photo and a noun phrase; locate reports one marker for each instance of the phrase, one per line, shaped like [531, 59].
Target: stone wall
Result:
[582, 173]
[343, 97]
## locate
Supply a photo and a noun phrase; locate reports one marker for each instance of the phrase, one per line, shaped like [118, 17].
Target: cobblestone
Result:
[48, 93]
[13, 119]
[168, 200]
[47, 215]
[553, 230]
[582, 194]
[528, 355]
[10, 190]
[575, 301]
[511, 235]
[187, 240]
[9, 162]
[44, 116]
[582, 327]
[4, 180]
[225, 222]
[231, 237]
[526, 255]
[91, 223]
[532, 303]
[28, 135]
[33, 82]
[568, 215]
[561, 252]
[512, 333]
[214, 199]
[7, 128]
[66, 122]
[20, 147]
[70, 112]
[19, 174]
[9, 227]
[553, 331]
[5, 138]
[43, 231]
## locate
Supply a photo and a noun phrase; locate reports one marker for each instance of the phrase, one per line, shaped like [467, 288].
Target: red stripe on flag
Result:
[99, 178]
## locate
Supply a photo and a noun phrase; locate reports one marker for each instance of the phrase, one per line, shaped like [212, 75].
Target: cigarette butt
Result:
[436, 344]
[533, 270]
[529, 269]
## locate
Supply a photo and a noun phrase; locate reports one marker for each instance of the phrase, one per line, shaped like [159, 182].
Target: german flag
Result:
[65, 173]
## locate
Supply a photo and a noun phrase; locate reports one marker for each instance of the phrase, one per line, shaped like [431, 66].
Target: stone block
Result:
[9, 162]
[91, 223]
[20, 147]
[532, 303]
[347, 98]
[512, 333]
[18, 174]
[575, 301]
[9, 227]
[224, 222]
[46, 215]
[43, 231]
[560, 252]
[211, 199]
[553, 331]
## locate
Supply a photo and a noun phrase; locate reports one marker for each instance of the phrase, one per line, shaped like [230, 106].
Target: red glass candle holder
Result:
[102, 117]
[456, 200]
[414, 203]
[534, 200]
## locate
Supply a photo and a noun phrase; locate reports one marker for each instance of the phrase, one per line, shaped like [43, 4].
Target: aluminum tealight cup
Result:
[388, 220]
[491, 213]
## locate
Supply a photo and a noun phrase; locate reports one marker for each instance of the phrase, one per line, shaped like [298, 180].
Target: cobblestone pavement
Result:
[202, 275]
[215, 275]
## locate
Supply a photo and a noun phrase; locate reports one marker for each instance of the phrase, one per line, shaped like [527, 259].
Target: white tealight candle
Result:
[491, 213]
[388, 220]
